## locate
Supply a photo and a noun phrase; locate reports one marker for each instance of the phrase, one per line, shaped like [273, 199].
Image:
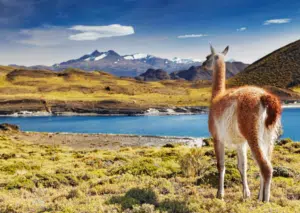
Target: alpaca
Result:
[242, 117]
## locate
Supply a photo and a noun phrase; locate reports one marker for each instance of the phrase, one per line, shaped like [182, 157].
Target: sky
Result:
[44, 32]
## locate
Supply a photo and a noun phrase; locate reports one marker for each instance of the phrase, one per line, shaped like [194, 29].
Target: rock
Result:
[9, 127]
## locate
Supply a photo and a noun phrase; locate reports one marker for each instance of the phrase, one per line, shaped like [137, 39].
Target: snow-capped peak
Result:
[185, 61]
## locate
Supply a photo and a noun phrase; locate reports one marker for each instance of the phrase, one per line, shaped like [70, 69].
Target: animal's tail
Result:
[273, 106]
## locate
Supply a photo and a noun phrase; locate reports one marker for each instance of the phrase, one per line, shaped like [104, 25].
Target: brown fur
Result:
[273, 106]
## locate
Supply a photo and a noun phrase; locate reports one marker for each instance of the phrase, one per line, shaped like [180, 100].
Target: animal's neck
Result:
[219, 78]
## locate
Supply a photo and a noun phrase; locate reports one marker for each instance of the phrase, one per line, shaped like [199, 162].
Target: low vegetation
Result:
[39, 178]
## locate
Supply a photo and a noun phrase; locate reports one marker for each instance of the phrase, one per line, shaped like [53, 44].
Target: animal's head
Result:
[211, 59]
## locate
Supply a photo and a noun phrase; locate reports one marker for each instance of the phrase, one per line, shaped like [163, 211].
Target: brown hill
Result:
[280, 68]
[196, 73]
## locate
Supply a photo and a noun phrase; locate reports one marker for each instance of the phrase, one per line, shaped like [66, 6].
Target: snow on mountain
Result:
[100, 57]
[185, 61]
[137, 56]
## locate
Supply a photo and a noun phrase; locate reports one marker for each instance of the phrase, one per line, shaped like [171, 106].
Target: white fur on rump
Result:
[228, 128]
[229, 133]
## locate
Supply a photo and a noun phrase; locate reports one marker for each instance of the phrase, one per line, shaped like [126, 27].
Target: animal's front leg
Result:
[242, 166]
[220, 154]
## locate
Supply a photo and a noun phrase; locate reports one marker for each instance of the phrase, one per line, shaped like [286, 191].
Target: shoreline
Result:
[188, 110]
[101, 141]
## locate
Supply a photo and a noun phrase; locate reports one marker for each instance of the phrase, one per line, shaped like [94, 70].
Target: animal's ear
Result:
[213, 52]
[225, 51]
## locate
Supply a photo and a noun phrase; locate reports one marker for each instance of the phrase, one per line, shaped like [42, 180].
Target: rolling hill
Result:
[280, 68]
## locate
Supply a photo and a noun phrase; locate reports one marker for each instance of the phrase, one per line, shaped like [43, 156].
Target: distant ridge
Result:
[194, 73]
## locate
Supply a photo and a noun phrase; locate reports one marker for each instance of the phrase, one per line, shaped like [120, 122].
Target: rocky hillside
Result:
[280, 68]
[194, 73]
[154, 75]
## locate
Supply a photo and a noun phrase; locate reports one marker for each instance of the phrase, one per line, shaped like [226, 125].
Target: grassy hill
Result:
[5, 69]
[280, 68]
[76, 85]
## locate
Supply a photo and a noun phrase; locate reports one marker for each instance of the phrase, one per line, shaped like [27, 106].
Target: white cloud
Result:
[241, 29]
[96, 32]
[191, 36]
[277, 21]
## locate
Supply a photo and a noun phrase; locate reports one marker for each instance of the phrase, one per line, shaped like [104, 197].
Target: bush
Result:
[194, 163]
[12, 168]
[208, 142]
[284, 141]
[147, 166]
[20, 183]
[74, 193]
[174, 206]
[145, 208]
[136, 196]
[232, 177]
[283, 172]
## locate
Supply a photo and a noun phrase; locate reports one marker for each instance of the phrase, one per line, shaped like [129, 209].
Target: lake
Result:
[171, 125]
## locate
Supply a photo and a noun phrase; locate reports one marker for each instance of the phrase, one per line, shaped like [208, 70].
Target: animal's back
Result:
[231, 112]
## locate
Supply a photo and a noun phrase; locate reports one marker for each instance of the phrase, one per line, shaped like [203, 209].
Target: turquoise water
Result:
[177, 125]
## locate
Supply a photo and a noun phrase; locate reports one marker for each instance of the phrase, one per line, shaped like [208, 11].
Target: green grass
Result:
[39, 178]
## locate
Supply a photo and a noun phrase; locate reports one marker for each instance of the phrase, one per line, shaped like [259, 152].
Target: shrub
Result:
[136, 196]
[282, 172]
[12, 168]
[208, 142]
[145, 208]
[232, 177]
[194, 163]
[147, 166]
[20, 183]
[174, 206]
[75, 193]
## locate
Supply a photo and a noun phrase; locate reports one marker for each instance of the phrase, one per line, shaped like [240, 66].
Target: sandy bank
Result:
[100, 141]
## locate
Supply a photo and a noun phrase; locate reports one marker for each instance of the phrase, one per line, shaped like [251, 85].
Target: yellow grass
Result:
[102, 86]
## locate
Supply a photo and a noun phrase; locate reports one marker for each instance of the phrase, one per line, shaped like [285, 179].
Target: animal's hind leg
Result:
[242, 166]
[265, 166]
[220, 154]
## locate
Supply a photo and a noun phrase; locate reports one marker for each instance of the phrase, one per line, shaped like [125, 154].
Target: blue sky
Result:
[45, 32]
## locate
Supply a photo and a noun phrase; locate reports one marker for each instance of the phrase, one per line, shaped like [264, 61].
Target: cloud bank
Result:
[91, 33]
[191, 36]
[277, 21]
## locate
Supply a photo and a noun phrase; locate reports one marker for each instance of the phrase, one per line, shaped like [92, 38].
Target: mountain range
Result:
[126, 65]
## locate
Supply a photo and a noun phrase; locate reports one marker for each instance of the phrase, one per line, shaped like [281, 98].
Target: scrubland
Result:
[173, 178]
